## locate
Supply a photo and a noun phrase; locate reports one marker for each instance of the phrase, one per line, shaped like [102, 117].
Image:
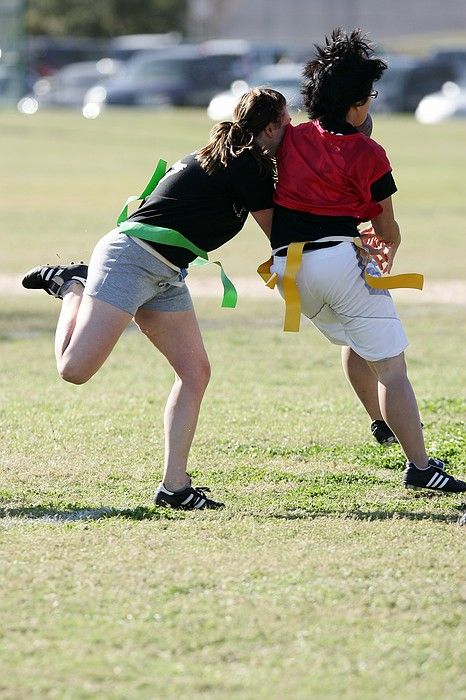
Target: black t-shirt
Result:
[309, 227]
[207, 209]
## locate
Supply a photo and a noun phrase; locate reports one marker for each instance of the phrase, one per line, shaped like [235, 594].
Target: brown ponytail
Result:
[255, 110]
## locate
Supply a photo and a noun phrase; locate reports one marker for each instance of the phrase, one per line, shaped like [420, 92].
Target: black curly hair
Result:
[340, 75]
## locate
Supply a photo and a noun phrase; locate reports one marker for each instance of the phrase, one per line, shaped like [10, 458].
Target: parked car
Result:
[284, 77]
[449, 102]
[154, 79]
[45, 55]
[456, 57]
[407, 80]
[124, 47]
[68, 86]
[185, 75]
[250, 55]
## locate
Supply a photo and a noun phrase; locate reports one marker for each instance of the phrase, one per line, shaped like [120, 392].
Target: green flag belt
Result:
[167, 236]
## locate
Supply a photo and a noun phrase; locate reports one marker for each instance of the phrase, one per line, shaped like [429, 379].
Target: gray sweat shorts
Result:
[127, 276]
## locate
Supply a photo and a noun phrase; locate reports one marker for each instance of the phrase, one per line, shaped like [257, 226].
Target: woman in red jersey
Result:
[332, 177]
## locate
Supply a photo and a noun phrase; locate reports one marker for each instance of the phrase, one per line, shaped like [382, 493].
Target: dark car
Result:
[174, 77]
[456, 57]
[407, 80]
[45, 55]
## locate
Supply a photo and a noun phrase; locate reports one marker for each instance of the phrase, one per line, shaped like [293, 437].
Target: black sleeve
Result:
[383, 187]
[253, 188]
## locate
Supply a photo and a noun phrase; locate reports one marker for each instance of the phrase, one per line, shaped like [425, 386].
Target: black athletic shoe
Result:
[191, 498]
[434, 478]
[382, 433]
[52, 279]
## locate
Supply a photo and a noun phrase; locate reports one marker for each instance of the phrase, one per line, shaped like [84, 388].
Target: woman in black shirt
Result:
[136, 271]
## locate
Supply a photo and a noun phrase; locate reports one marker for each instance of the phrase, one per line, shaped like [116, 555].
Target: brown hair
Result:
[255, 110]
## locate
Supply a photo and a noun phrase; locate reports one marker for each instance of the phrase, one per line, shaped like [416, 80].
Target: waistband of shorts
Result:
[336, 248]
[309, 247]
[154, 252]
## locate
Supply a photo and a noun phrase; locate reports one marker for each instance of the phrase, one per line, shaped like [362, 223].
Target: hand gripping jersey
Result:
[323, 173]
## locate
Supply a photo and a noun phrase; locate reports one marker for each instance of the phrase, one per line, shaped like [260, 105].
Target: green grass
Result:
[322, 578]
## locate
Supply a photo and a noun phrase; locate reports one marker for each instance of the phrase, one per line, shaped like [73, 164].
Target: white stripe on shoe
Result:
[434, 482]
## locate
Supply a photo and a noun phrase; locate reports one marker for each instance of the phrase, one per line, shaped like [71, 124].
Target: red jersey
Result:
[323, 173]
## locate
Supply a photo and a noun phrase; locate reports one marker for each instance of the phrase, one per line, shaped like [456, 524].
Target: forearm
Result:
[385, 225]
[389, 232]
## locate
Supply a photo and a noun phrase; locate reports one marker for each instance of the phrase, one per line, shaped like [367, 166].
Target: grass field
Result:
[322, 578]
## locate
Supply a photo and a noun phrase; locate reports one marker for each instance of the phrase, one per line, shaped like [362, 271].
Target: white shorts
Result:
[342, 306]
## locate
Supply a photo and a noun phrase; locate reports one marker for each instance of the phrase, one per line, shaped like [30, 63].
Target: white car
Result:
[284, 77]
[67, 87]
[449, 102]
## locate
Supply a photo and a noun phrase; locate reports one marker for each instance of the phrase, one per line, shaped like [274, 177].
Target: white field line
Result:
[59, 517]
[434, 292]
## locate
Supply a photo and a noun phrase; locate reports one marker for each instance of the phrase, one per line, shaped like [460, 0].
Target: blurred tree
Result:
[104, 18]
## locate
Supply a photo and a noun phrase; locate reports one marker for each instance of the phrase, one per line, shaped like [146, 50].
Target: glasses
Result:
[373, 94]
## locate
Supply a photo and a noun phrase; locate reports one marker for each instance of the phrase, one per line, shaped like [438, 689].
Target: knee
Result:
[203, 374]
[390, 370]
[207, 373]
[74, 374]
[196, 375]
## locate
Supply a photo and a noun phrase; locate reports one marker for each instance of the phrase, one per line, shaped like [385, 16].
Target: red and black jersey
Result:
[321, 172]
[328, 182]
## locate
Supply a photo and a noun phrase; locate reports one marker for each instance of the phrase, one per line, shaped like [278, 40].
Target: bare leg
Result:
[363, 380]
[67, 319]
[87, 331]
[177, 336]
[399, 407]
